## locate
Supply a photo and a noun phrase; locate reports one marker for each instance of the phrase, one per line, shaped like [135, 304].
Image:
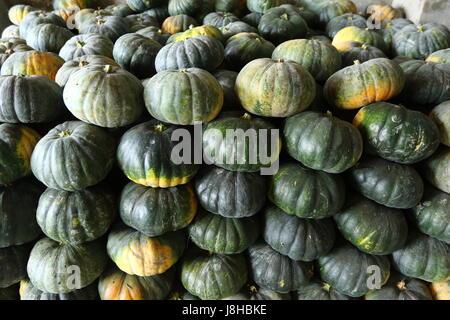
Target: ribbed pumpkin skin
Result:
[87, 44]
[440, 290]
[13, 264]
[252, 292]
[419, 41]
[18, 12]
[16, 145]
[214, 233]
[120, 10]
[144, 155]
[140, 5]
[322, 142]
[7, 48]
[47, 37]
[346, 20]
[260, 6]
[288, 88]
[235, 28]
[104, 95]
[227, 80]
[39, 17]
[154, 33]
[396, 133]
[277, 272]
[299, 239]
[436, 169]
[423, 257]
[388, 183]
[231, 194]
[219, 19]
[140, 21]
[188, 7]
[137, 254]
[361, 52]
[334, 9]
[319, 58]
[440, 56]
[178, 23]
[156, 211]
[85, 15]
[184, 97]
[76, 217]
[252, 18]
[432, 214]
[245, 47]
[361, 84]
[117, 285]
[29, 99]
[372, 228]
[49, 265]
[306, 193]
[193, 32]
[317, 290]
[243, 153]
[200, 52]
[390, 28]
[235, 6]
[357, 34]
[347, 270]
[22, 198]
[109, 26]
[30, 292]
[427, 83]
[85, 155]
[213, 276]
[160, 13]
[400, 287]
[59, 4]
[29, 63]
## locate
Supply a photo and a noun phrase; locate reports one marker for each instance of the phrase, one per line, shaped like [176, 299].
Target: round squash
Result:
[111, 27]
[261, 6]
[390, 28]
[440, 56]
[154, 33]
[85, 15]
[140, 5]
[121, 10]
[13, 264]
[16, 145]
[440, 290]
[353, 51]
[178, 23]
[47, 37]
[140, 21]
[219, 19]
[236, 27]
[436, 169]
[7, 48]
[396, 133]
[318, 290]
[335, 8]
[30, 292]
[160, 13]
[227, 80]
[252, 18]
[87, 44]
[72, 156]
[156, 211]
[18, 12]
[362, 35]
[34, 18]
[235, 6]
[346, 20]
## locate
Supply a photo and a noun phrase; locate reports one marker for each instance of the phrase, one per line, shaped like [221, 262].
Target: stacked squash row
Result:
[91, 96]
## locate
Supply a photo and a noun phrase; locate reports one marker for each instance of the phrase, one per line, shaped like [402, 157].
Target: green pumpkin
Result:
[277, 272]
[396, 133]
[212, 276]
[137, 254]
[231, 194]
[346, 20]
[35, 18]
[253, 292]
[87, 44]
[441, 116]
[237, 7]
[154, 33]
[388, 183]
[16, 145]
[9, 293]
[47, 37]
[30, 292]
[72, 156]
[322, 142]
[117, 285]
[29, 99]
[275, 88]
[76, 217]
[227, 80]
[140, 21]
[245, 47]
[235, 28]
[356, 51]
[140, 5]
[218, 234]
[250, 152]
[372, 228]
[310, 17]
[348, 270]
[419, 41]
[436, 169]
[7, 48]
[199, 52]
[362, 35]
[390, 28]
[189, 7]
[423, 257]
[335, 8]
[18, 205]
[252, 18]
[87, 14]
[318, 290]
[184, 97]
[427, 83]
[52, 266]
[400, 287]
[299, 239]
[104, 95]
[61, 4]
[13, 264]
[156, 211]
[194, 32]
[219, 19]
[306, 193]
[144, 155]
[111, 27]
[120, 10]
[160, 13]
[261, 6]
[440, 56]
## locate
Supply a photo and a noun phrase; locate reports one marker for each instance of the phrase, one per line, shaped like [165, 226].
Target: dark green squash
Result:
[237, 7]
[156, 211]
[144, 155]
[436, 169]
[87, 44]
[218, 234]
[184, 97]
[47, 37]
[76, 217]
[121, 10]
[423, 257]
[109, 26]
[274, 271]
[396, 133]
[252, 18]
[39, 17]
[140, 5]
[441, 116]
[390, 28]
[30, 292]
[236, 27]
[372, 228]
[299, 239]
[253, 292]
[219, 19]
[388, 183]
[227, 80]
[356, 51]
[261, 6]
[349, 271]
[160, 13]
[318, 290]
[346, 20]
[140, 21]
[154, 33]
[13, 264]
[188, 7]
[60, 268]
[306, 193]
[335, 8]
[9, 293]
[212, 276]
[72, 156]
[322, 142]
[231, 194]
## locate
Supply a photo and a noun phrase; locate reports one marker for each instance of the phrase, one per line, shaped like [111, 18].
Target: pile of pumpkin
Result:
[92, 205]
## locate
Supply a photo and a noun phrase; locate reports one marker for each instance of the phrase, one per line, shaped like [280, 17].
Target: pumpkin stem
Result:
[160, 127]
[184, 70]
[357, 62]
[108, 68]
[191, 26]
[9, 51]
[284, 16]
[253, 289]
[159, 31]
[41, 15]
[279, 60]
[65, 133]
[401, 285]
[246, 116]
[364, 46]
[83, 63]
[100, 21]
[420, 28]
[326, 287]
[329, 114]
[80, 44]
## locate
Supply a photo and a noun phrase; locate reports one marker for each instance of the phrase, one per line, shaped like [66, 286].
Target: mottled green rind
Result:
[441, 116]
[30, 292]
[318, 290]
[13, 264]
[436, 169]
[343, 21]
